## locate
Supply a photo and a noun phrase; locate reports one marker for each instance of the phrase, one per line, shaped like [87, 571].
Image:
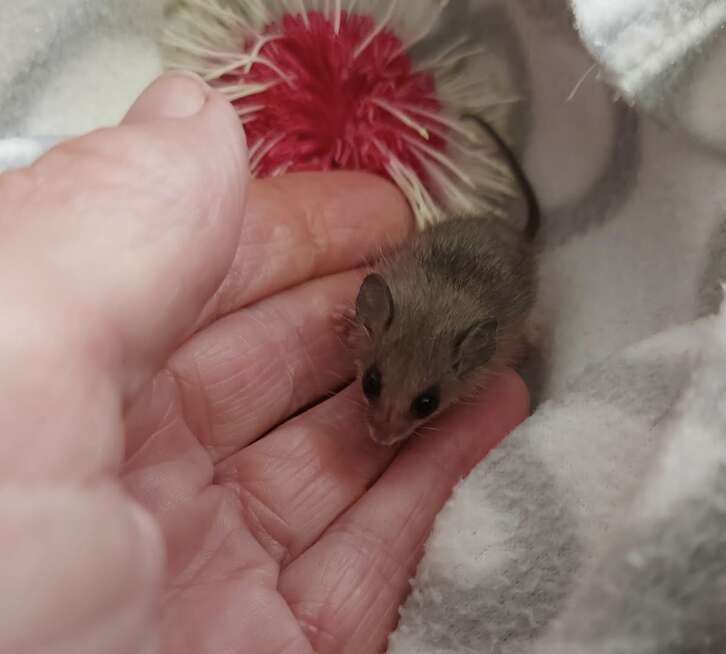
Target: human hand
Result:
[163, 484]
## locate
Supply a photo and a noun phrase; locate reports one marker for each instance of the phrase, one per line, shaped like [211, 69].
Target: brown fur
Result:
[443, 281]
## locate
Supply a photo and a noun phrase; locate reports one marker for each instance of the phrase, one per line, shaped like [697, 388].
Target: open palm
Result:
[287, 529]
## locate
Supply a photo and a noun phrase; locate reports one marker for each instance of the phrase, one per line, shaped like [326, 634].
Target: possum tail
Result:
[534, 216]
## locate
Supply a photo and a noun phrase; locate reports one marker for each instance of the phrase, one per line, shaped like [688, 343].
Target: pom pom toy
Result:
[333, 84]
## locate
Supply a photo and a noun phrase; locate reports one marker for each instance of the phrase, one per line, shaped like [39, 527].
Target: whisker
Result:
[433, 429]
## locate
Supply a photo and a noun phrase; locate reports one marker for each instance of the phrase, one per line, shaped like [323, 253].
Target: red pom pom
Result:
[335, 87]
[334, 99]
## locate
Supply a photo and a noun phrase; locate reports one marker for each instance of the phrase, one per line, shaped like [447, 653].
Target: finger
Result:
[253, 369]
[307, 225]
[113, 244]
[219, 372]
[234, 387]
[371, 551]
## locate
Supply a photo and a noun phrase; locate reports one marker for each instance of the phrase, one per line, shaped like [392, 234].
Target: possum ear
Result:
[374, 306]
[475, 346]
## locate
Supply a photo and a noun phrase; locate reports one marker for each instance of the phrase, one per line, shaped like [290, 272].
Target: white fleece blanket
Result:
[600, 524]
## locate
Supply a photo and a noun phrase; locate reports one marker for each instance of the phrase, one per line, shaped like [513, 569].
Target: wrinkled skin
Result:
[163, 321]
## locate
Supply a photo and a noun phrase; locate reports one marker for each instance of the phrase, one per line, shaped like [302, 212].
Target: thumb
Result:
[113, 244]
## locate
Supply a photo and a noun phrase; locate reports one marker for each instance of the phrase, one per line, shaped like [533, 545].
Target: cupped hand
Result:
[183, 462]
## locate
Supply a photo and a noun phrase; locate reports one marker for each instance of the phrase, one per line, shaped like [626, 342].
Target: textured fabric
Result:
[599, 525]
[71, 65]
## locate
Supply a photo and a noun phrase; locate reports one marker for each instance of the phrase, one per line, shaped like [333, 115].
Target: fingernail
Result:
[179, 94]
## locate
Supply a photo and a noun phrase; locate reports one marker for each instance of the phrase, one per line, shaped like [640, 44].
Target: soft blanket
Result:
[599, 525]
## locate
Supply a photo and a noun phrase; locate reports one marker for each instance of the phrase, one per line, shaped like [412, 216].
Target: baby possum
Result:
[436, 319]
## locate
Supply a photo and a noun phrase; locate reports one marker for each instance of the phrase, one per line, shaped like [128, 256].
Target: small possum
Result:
[436, 319]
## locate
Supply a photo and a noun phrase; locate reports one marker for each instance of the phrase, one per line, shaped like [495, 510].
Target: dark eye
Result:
[372, 383]
[426, 403]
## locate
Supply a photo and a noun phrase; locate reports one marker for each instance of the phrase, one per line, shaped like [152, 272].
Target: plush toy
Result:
[343, 84]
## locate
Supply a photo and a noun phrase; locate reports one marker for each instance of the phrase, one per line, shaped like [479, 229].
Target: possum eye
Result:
[372, 383]
[426, 403]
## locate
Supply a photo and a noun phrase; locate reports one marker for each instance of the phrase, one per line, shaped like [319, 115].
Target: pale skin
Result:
[164, 486]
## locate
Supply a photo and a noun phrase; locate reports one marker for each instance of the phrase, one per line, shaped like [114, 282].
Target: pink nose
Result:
[382, 438]
[386, 432]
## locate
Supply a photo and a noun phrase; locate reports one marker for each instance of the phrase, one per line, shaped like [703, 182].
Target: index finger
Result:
[306, 225]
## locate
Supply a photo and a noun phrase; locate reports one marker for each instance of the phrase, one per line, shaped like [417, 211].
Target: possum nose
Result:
[382, 420]
[383, 437]
[384, 429]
